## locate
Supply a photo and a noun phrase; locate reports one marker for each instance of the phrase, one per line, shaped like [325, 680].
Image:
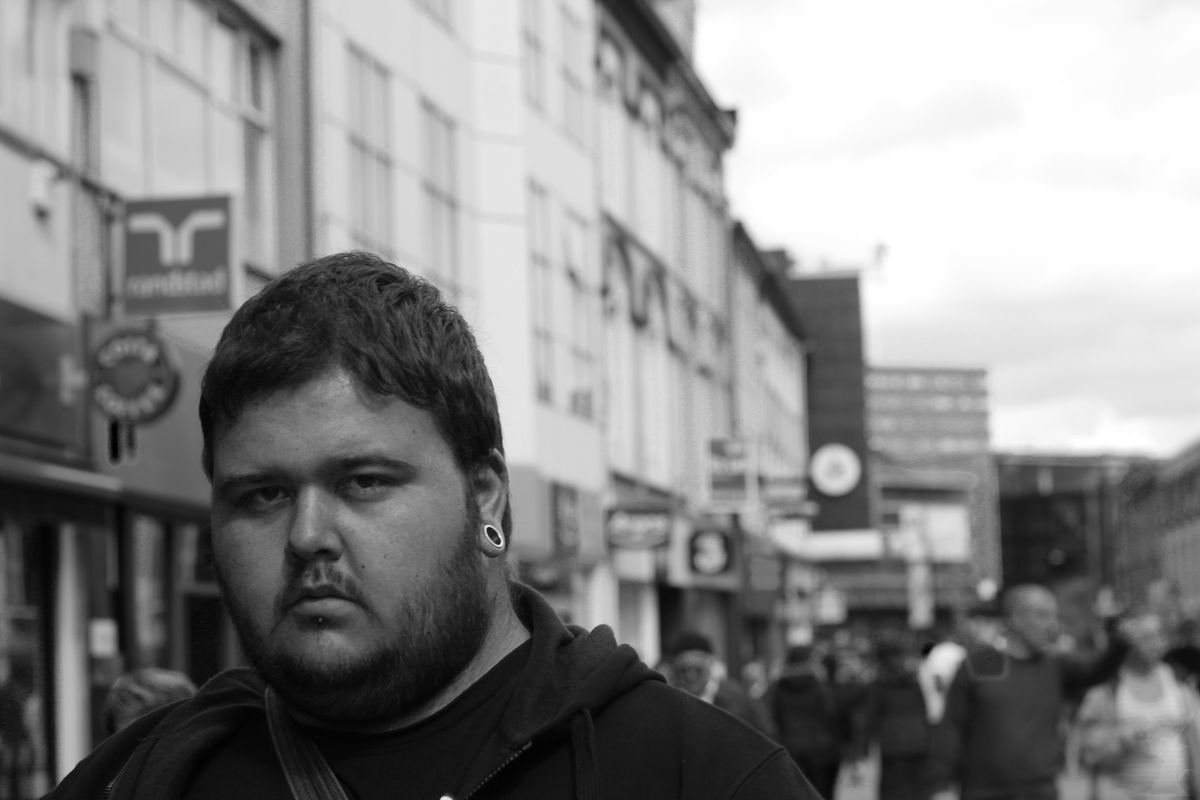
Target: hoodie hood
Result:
[570, 676]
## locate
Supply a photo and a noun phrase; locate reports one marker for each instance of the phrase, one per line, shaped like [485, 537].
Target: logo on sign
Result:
[177, 255]
[710, 552]
[133, 379]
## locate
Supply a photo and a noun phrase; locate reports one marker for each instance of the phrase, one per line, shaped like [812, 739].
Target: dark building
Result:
[1059, 517]
[830, 309]
[1157, 544]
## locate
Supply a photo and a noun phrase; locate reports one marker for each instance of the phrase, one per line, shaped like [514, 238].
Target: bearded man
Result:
[360, 532]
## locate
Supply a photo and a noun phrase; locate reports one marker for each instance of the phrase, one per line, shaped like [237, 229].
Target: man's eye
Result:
[262, 499]
[366, 485]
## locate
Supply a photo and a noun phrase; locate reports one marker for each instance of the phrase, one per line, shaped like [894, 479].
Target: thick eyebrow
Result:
[327, 471]
[337, 467]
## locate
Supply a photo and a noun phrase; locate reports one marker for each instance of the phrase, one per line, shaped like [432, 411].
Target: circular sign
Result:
[133, 378]
[835, 470]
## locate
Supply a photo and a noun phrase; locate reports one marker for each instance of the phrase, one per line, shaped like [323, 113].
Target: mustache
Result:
[317, 580]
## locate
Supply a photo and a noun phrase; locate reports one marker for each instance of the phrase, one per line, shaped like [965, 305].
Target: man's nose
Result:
[313, 531]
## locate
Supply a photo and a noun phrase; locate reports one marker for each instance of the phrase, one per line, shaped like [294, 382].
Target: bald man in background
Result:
[1000, 736]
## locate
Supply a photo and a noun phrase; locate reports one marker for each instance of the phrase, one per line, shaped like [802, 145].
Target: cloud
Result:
[1031, 166]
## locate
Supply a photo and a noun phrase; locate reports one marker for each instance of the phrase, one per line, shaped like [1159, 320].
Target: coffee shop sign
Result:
[133, 378]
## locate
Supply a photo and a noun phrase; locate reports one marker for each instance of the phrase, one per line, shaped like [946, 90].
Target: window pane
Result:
[254, 195]
[224, 62]
[178, 135]
[255, 68]
[228, 150]
[193, 35]
[122, 145]
[127, 14]
[162, 23]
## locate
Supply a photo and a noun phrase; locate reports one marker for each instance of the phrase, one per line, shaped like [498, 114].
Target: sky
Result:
[1031, 169]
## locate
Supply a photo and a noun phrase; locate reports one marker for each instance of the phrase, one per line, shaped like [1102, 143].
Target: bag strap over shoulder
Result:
[308, 773]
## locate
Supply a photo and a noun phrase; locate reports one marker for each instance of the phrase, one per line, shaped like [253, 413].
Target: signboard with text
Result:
[730, 477]
[178, 256]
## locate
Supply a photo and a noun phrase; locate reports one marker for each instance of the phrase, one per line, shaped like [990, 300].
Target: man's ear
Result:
[489, 484]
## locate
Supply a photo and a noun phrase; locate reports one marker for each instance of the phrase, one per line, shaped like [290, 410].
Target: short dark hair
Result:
[687, 641]
[389, 329]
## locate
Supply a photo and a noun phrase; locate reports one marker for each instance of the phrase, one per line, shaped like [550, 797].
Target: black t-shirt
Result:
[424, 760]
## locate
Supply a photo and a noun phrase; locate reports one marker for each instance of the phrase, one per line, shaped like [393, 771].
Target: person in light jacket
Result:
[1141, 730]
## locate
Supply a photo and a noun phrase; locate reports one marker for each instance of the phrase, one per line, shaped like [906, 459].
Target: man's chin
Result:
[335, 684]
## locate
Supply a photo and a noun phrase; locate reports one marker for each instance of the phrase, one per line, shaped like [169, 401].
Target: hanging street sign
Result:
[178, 256]
[134, 378]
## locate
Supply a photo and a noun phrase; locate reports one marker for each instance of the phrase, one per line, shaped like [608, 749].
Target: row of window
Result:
[573, 58]
[655, 185]
[564, 304]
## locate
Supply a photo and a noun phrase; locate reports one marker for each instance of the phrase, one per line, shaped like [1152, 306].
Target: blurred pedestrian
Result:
[804, 707]
[361, 535]
[1141, 729]
[1000, 737]
[16, 754]
[140, 691]
[937, 669]
[896, 724]
[694, 667]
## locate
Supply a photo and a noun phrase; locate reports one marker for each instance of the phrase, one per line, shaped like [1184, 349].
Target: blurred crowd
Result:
[996, 707]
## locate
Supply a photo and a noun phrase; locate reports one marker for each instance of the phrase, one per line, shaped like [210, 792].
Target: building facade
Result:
[1156, 556]
[103, 523]
[665, 278]
[770, 410]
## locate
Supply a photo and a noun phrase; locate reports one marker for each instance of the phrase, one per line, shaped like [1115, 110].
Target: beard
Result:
[434, 635]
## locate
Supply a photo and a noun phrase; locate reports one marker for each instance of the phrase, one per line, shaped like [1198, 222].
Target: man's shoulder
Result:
[177, 732]
[670, 718]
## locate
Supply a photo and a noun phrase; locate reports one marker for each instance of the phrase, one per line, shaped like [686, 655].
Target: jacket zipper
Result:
[112, 785]
[500, 768]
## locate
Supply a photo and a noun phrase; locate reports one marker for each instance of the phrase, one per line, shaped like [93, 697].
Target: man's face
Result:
[692, 670]
[1034, 620]
[344, 536]
[1147, 640]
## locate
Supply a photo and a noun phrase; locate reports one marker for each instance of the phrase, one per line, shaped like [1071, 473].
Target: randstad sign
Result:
[178, 255]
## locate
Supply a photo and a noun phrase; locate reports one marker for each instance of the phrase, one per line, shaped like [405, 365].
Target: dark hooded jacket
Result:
[587, 720]
[808, 717]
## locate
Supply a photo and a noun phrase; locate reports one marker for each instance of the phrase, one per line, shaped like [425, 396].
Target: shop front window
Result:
[24, 716]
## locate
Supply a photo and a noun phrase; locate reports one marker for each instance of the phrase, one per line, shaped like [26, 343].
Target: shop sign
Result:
[710, 552]
[178, 256]
[729, 474]
[639, 530]
[134, 379]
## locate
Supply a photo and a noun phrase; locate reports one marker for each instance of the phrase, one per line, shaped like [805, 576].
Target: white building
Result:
[456, 139]
[667, 330]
